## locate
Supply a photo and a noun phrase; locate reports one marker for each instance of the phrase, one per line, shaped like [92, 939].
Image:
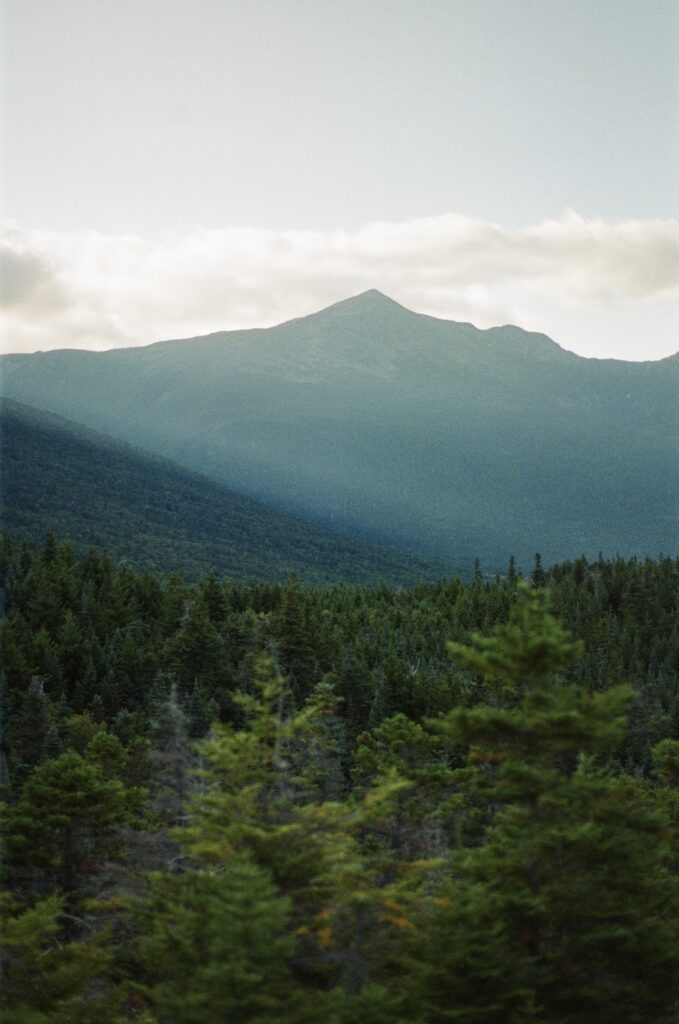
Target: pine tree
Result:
[250, 786]
[73, 653]
[87, 685]
[537, 576]
[295, 643]
[421, 820]
[29, 728]
[196, 651]
[47, 979]
[218, 946]
[567, 911]
[108, 754]
[320, 753]
[202, 711]
[64, 824]
[53, 745]
[170, 757]
[79, 730]
[256, 802]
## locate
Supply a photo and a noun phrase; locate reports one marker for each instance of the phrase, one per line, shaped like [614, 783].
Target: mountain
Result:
[402, 427]
[91, 489]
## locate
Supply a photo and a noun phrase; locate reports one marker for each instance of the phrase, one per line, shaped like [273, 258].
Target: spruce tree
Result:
[66, 821]
[218, 947]
[29, 728]
[47, 978]
[567, 911]
[170, 757]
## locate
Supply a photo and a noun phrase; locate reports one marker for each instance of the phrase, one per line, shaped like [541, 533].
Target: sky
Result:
[174, 167]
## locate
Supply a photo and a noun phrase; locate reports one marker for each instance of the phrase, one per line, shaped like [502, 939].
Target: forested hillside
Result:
[455, 802]
[97, 491]
[426, 434]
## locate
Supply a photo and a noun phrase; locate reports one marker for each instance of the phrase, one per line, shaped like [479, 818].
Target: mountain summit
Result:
[437, 436]
[371, 301]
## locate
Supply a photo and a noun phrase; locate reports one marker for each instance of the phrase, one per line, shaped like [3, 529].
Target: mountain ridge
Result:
[370, 299]
[410, 430]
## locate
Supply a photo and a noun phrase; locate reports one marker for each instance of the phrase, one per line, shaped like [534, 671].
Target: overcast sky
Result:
[172, 167]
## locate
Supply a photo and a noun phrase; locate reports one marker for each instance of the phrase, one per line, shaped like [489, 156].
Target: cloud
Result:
[90, 290]
[27, 281]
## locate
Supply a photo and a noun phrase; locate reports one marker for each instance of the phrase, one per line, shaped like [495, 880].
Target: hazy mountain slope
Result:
[429, 433]
[93, 490]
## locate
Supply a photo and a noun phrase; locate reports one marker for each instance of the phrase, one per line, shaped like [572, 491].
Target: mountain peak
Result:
[370, 295]
[370, 301]
[398, 425]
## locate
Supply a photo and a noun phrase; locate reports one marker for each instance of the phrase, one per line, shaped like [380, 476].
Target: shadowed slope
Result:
[93, 490]
[423, 432]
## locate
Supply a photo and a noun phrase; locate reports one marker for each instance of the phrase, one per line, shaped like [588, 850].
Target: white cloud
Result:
[89, 290]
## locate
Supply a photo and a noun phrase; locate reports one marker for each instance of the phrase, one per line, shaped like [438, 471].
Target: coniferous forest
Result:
[339, 508]
[280, 804]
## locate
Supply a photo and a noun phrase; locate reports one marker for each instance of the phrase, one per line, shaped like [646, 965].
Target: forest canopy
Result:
[282, 803]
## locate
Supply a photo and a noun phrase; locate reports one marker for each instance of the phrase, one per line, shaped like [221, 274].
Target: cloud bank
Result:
[599, 288]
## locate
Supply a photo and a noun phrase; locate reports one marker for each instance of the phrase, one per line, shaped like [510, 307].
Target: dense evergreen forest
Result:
[96, 491]
[281, 804]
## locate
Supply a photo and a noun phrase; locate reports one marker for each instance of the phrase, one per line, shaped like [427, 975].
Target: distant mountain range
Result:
[430, 435]
[92, 490]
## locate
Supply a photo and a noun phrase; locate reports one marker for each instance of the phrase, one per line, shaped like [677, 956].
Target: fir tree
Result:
[218, 947]
[47, 979]
[170, 758]
[567, 911]
[537, 576]
[65, 822]
[29, 728]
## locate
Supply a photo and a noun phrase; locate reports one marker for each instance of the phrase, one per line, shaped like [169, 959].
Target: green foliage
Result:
[425, 814]
[97, 491]
[666, 758]
[567, 910]
[253, 789]
[218, 945]
[65, 822]
[30, 727]
[375, 833]
[170, 758]
[107, 643]
[523, 651]
[47, 979]
[261, 799]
